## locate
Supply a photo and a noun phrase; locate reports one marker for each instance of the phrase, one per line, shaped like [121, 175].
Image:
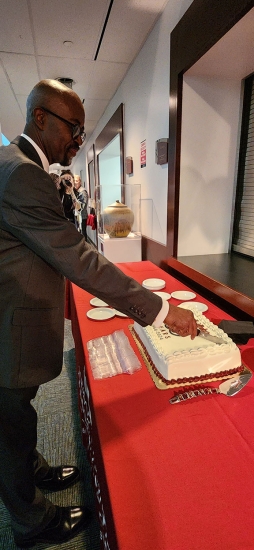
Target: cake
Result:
[181, 361]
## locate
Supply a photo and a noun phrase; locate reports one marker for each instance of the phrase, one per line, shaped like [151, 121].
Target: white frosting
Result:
[180, 357]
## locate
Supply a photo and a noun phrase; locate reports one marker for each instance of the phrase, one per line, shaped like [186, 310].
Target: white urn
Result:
[118, 220]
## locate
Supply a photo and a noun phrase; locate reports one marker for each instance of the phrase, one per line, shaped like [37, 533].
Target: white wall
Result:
[145, 95]
[210, 135]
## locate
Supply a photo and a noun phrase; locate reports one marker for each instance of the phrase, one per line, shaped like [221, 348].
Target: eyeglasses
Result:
[76, 129]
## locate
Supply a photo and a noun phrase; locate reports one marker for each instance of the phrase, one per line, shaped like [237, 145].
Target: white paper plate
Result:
[194, 305]
[119, 313]
[163, 295]
[97, 302]
[154, 284]
[101, 313]
[183, 295]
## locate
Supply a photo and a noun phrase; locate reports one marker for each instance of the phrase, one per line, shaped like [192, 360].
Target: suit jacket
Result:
[39, 247]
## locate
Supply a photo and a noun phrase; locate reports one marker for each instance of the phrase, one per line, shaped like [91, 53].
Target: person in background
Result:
[38, 249]
[84, 214]
[72, 200]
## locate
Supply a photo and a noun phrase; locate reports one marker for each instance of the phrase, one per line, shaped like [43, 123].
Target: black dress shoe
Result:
[66, 524]
[59, 478]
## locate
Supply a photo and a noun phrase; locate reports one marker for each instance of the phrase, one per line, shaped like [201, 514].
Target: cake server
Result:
[229, 387]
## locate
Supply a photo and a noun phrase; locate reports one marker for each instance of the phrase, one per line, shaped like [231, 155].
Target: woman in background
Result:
[71, 199]
[83, 214]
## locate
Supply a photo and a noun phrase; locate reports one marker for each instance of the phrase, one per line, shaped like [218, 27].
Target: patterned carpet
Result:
[59, 440]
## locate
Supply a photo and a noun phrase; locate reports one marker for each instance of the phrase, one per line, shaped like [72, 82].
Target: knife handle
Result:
[191, 394]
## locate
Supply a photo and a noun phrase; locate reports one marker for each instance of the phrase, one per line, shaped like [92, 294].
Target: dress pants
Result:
[21, 465]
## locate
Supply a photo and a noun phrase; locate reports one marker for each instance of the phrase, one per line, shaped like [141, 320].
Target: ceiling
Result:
[92, 42]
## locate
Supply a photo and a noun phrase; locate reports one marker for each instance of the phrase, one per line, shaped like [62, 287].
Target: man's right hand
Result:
[181, 321]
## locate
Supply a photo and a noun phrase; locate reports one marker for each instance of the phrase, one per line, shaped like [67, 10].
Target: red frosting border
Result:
[190, 380]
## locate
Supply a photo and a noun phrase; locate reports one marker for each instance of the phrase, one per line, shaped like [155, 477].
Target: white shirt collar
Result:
[43, 157]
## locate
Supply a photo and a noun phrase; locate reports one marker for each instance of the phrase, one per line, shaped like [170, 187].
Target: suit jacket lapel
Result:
[27, 148]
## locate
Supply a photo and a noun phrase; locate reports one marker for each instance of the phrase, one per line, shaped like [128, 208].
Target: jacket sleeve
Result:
[32, 212]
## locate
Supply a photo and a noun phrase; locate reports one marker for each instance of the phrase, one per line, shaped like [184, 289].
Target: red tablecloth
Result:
[179, 477]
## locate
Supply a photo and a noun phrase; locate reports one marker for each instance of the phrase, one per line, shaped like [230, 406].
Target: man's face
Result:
[59, 142]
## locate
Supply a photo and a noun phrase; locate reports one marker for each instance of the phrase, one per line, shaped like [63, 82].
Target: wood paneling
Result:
[233, 302]
[113, 127]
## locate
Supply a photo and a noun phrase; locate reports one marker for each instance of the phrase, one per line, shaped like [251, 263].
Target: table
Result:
[167, 477]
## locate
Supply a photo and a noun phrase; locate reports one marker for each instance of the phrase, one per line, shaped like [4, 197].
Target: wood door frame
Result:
[90, 157]
[202, 25]
[113, 127]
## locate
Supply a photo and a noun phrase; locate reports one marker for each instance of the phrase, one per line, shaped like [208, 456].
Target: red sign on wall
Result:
[143, 154]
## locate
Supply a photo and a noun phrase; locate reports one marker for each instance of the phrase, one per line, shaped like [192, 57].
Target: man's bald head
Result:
[55, 121]
[49, 94]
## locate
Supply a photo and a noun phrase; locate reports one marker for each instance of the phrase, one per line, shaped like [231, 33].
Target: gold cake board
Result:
[160, 384]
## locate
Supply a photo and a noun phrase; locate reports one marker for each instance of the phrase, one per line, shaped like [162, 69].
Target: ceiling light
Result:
[68, 43]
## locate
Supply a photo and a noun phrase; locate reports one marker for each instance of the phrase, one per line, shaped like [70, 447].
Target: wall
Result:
[210, 136]
[145, 95]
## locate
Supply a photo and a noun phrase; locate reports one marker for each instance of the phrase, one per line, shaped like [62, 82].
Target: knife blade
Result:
[214, 339]
[203, 334]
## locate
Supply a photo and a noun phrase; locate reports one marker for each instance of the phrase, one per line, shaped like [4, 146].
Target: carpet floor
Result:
[59, 440]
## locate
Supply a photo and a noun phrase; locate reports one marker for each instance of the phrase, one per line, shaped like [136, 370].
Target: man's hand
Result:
[181, 321]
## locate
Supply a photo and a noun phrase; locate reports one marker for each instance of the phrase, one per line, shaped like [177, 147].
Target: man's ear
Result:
[39, 117]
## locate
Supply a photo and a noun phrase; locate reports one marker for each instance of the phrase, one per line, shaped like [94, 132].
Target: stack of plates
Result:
[194, 305]
[154, 284]
[183, 295]
[101, 313]
[97, 302]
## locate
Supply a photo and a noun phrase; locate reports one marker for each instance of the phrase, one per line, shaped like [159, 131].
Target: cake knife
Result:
[203, 334]
[207, 336]
[229, 387]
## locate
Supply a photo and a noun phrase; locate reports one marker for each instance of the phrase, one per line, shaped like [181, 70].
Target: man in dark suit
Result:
[39, 247]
